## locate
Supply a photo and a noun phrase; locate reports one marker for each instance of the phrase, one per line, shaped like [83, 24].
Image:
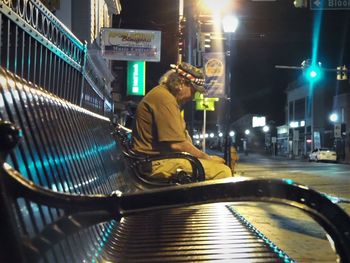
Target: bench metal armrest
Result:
[198, 173]
[121, 134]
[17, 186]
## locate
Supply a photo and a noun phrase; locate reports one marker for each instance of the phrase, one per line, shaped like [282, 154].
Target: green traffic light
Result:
[313, 73]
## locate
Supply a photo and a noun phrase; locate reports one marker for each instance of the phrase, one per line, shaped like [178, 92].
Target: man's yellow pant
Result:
[166, 168]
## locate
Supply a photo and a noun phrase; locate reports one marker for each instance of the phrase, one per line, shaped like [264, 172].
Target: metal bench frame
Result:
[93, 209]
[135, 161]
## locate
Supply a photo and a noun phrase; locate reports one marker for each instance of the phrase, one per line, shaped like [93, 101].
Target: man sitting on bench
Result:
[159, 127]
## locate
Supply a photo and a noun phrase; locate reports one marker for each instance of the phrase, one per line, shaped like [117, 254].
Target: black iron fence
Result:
[35, 45]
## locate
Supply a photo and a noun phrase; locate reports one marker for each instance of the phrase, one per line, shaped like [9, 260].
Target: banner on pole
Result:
[214, 72]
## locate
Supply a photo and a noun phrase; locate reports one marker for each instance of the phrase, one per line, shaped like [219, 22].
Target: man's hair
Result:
[172, 81]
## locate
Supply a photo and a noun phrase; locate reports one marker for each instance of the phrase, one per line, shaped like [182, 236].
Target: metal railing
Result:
[35, 45]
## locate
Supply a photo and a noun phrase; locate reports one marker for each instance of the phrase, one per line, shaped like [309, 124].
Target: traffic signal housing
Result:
[312, 71]
[300, 3]
[342, 73]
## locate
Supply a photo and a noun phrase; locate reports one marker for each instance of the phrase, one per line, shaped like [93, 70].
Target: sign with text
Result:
[202, 103]
[329, 4]
[317, 140]
[258, 121]
[214, 72]
[295, 135]
[131, 45]
[136, 78]
[337, 130]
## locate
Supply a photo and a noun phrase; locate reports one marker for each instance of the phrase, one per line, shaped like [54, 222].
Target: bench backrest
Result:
[63, 148]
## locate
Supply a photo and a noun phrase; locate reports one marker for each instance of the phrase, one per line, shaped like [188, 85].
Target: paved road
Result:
[331, 178]
[294, 232]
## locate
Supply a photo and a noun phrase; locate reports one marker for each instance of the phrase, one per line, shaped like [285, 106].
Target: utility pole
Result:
[189, 37]
[227, 155]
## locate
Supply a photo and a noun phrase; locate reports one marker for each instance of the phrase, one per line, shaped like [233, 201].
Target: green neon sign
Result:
[136, 72]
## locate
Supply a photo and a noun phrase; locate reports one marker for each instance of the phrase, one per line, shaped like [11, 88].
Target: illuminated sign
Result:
[258, 121]
[294, 124]
[130, 44]
[330, 5]
[136, 78]
[202, 103]
[282, 130]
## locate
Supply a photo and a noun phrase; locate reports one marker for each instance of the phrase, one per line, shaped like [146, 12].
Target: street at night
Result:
[143, 131]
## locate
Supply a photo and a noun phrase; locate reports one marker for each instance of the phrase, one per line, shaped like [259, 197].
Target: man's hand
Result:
[187, 146]
[216, 159]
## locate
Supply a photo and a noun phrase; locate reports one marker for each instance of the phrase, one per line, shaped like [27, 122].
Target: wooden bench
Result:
[65, 196]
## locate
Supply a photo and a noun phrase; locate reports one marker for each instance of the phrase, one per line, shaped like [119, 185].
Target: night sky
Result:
[269, 34]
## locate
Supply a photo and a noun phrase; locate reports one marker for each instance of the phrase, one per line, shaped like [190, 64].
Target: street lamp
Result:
[266, 128]
[247, 132]
[215, 6]
[229, 26]
[337, 132]
[230, 23]
[333, 117]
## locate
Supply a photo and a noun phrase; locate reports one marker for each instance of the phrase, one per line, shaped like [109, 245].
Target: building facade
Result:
[341, 129]
[308, 124]
[86, 18]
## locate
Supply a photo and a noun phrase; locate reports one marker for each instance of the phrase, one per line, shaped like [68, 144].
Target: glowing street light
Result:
[333, 117]
[230, 23]
[312, 70]
[232, 133]
[266, 128]
[211, 135]
[221, 134]
[247, 132]
[215, 6]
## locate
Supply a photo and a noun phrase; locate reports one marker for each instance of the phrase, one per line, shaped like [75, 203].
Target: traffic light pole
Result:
[339, 69]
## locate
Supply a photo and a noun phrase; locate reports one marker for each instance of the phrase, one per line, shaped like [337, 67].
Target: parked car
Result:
[323, 154]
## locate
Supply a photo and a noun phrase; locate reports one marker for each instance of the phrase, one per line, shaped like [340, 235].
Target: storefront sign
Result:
[136, 78]
[131, 45]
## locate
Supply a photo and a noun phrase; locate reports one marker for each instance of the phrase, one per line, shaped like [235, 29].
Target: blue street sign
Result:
[329, 4]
